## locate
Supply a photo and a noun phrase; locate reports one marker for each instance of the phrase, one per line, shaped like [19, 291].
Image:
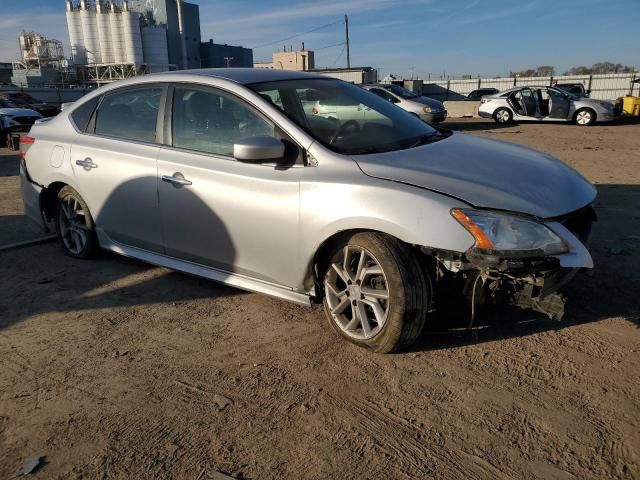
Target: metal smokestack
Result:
[183, 42]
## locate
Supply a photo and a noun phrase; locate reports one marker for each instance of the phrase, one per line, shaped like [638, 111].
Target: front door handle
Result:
[177, 179]
[87, 163]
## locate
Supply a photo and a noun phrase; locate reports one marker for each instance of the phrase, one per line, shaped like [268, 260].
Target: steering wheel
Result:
[344, 130]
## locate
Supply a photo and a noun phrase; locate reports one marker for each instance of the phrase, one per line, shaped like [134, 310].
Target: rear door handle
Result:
[177, 179]
[86, 163]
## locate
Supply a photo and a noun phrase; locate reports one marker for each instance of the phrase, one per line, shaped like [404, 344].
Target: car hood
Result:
[18, 112]
[486, 174]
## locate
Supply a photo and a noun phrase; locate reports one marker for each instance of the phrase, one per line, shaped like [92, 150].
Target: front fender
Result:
[413, 215]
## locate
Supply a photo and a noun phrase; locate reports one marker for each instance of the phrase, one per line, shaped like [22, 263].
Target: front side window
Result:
[346, 118]
[212, 122]
[130, 114]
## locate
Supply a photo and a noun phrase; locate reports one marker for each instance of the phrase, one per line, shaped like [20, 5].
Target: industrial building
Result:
[42, 62]
[111, 40]
[299, 60]
[181, 21]
[214, 55]
[357, 75]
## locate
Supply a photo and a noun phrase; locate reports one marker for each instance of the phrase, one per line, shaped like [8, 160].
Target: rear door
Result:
[559, 104]
[114, 162]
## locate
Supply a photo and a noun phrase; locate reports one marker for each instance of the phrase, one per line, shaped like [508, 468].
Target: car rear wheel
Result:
[376, 294]
[503, 115]
[74, 225]
[585, 117]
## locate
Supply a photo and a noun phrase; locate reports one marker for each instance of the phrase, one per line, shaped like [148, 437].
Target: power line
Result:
[328, 46]
[299, 34]
[340, 55]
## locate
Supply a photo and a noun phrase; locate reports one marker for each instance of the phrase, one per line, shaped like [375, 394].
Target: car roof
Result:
[246, 76]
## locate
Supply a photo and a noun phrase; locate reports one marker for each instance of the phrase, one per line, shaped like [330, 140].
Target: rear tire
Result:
[380, 281]
[74, 225]
[503, 115]
[585, 117]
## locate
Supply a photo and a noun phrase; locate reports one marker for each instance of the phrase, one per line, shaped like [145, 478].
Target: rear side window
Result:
[131, 114]
[81, 116]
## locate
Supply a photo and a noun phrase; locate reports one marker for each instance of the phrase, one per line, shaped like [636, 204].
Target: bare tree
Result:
[600, 68]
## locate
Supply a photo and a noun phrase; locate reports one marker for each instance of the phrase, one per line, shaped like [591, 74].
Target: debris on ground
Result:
[30, 465]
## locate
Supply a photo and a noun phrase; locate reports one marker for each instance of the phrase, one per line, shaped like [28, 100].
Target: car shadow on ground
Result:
[609, 291]
[43, 279]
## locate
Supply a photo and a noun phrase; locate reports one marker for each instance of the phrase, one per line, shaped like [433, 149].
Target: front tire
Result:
[74, 225]
[585, 117]
[376, 293]
[503, 115]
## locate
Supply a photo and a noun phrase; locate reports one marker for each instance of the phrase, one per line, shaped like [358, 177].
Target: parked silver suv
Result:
[428, 109]
[226, 174]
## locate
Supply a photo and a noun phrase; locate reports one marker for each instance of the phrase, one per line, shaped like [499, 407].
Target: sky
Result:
[422, 37]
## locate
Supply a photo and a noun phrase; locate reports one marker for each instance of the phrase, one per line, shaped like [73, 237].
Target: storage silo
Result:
[90, 32]
[154, 45]
[115, 26]
[74, 25]
[131, 36]
[104, 33]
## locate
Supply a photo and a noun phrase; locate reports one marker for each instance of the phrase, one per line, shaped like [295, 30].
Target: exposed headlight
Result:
[426, 109]
[500, 232]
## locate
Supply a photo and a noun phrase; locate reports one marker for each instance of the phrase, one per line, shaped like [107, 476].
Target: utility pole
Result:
[346, 30]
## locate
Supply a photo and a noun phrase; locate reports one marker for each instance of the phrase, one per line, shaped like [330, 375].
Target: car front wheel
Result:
[376, 293]
[74, 225]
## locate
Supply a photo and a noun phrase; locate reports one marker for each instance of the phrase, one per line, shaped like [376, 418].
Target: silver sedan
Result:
[544, 104]
[226, 174]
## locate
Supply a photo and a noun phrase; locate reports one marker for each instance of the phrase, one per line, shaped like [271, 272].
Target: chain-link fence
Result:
[602, 87]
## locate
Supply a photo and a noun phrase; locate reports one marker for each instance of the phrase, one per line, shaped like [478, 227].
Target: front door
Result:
[559, 104]
[115, 167]
[219, 212]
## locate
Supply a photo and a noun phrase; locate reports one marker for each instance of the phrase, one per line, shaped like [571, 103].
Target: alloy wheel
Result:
[357, 293]
[502, 116]
[583, 118]
[73, 228]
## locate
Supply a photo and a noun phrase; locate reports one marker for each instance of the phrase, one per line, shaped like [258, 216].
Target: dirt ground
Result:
[116, 369]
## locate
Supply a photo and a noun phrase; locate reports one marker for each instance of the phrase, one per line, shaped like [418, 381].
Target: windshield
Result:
[345, 117]
[401, 92]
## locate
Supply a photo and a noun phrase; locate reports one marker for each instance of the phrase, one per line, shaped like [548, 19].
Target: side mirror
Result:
[258, 150]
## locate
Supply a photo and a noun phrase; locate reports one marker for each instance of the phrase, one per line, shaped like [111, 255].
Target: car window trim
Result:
[167, 130]
[159, 119]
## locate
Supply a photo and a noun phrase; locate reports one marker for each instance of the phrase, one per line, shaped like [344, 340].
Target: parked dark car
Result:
[24, 100]
[476, 95]
[576, 89]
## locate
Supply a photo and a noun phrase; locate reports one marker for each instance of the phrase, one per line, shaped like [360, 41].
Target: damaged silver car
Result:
[227, 174]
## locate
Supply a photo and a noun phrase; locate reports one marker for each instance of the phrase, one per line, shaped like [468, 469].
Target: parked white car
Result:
[544, 104]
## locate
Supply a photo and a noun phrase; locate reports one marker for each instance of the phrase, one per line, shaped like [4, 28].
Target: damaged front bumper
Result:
[523, 281]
